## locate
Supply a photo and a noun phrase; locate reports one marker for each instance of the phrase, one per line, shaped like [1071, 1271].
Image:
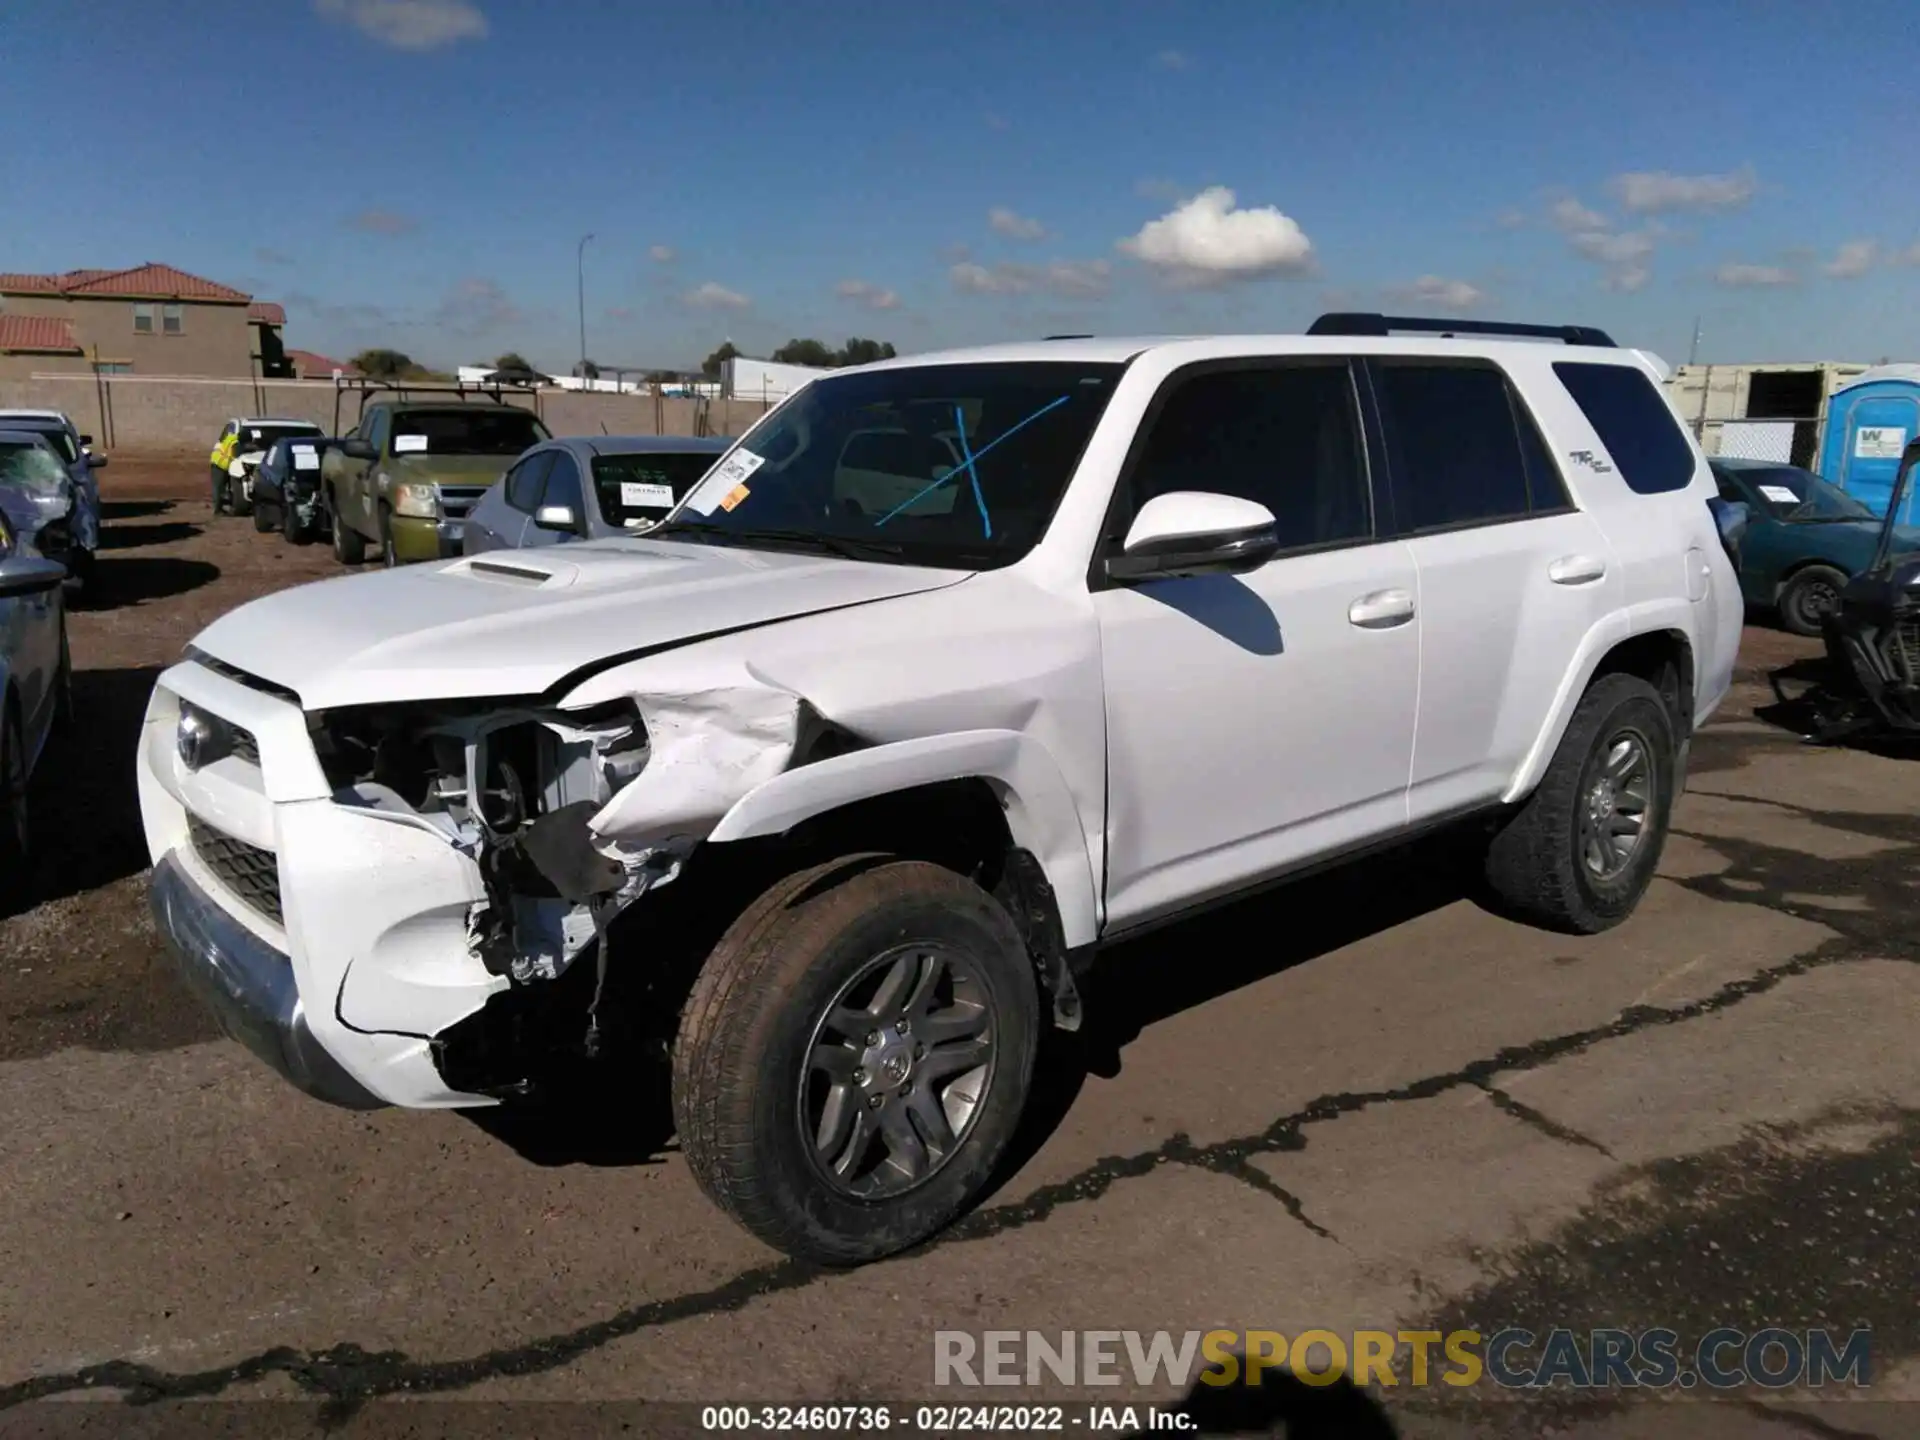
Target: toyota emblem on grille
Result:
[194, 738]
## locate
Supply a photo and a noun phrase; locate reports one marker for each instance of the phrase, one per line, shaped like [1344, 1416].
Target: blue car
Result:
[1807, 539]
[35, 684]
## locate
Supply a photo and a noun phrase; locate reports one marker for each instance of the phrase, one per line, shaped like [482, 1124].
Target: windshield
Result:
[952, 465]
[259, 437]
[466, 432]
[1790, 493]
[32, 466]
[60, 439]
[640, 489]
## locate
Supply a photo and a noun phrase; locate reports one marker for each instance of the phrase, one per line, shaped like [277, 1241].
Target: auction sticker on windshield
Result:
[725, 484]
[643, 496]
[402, 444]
[306, 458]
[1780, 494]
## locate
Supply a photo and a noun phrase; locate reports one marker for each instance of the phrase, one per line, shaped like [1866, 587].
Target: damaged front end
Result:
[569, 817]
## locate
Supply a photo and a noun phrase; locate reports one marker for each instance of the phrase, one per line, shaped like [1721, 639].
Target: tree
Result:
[863, 352]
[804, 352]
[381, 364]
[512, 360]
[587, 370]
[711, 365]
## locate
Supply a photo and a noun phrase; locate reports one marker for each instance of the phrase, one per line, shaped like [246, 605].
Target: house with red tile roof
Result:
[309, 366]
[151, 319]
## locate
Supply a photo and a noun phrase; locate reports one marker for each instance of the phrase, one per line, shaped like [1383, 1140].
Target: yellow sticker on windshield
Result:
[734, 496]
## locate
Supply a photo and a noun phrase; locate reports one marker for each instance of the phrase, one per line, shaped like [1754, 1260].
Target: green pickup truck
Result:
[402, 480]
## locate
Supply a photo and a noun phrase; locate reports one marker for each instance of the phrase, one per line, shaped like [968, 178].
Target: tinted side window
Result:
[377, 430]
[563, 485]
[526, 480]
[1546, 485]
[1452, 444]
[1285, 436]
[1637, 426]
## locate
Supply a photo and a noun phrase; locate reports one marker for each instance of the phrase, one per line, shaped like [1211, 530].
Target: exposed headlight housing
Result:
[237, 469]
[420, 502]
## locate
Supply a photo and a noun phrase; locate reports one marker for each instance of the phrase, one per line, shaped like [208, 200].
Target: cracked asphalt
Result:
[1359, 1103]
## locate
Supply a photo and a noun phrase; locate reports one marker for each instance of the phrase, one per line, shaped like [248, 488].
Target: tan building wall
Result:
[213, 339]
[23, 367]
[184, 416]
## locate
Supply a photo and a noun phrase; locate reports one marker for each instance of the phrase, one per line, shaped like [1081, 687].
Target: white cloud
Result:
[662, 254]
[1003, 221]
[712, 296]
[1438, 290]
[1173, 60]
[1853, 259]
[409, 24]
[1650, 192]
[1570, 215]
[1207, 241]
[865, 293]
[1081, 279]
[1742, 276]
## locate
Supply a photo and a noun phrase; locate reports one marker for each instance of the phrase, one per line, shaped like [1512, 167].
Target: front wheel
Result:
[349, 546]
[389, 556]
[291, 530]
[1809, 597]
[855, 1057]
[1581, 850]
[265, 520]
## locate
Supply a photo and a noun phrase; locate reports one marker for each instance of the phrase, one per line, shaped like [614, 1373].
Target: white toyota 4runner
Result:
[953, 670]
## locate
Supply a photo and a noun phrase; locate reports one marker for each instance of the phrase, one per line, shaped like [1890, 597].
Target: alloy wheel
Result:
[1616, 803]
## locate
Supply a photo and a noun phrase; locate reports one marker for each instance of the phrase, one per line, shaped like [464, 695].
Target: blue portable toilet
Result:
[1869, 422]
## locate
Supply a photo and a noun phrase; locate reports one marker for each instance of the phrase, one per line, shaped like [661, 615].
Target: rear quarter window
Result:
[1634, 422]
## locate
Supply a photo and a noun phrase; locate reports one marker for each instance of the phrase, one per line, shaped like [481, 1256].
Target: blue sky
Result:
[419, 172]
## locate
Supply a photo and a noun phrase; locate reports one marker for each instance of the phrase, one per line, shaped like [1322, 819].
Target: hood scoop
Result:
[518, 573]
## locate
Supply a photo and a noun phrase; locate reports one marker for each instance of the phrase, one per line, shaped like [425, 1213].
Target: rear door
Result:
[1511, 575]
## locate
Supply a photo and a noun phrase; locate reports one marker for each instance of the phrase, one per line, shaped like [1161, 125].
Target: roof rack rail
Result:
[1066, 337]
[367, 385]
[1367, 324]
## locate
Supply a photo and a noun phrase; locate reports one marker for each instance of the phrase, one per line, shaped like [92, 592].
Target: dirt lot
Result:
[1359, 1103]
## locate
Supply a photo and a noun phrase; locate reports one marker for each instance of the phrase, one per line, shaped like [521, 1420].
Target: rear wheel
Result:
[1808, 597]
[349, 548]
[266, 517]
[855, 1057]
[1581, 850]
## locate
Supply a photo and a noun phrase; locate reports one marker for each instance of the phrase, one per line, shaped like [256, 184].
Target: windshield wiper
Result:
[847, 547]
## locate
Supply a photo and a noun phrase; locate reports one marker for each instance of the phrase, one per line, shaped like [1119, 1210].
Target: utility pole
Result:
[580, 258]
[1693, 355]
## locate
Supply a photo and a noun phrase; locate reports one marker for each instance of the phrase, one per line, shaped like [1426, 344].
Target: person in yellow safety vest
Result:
[220, 458]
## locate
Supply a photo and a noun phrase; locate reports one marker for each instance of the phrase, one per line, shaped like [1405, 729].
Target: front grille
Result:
[1906, 642]
[457, 500]
[248, 871]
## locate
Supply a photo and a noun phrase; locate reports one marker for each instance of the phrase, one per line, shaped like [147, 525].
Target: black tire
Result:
[389, 557]
[15, 842]
[751, 1106]
[1541, 864]
[291, 530]
[1807, 597]
[265, 518]
[349, 546]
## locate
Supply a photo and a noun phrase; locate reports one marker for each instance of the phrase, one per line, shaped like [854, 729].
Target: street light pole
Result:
[581, 262]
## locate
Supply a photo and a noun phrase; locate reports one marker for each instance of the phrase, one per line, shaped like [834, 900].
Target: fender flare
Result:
[1040, 809]
[1648, 618]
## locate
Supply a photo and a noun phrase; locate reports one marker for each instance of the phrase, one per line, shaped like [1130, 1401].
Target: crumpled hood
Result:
[516, 622]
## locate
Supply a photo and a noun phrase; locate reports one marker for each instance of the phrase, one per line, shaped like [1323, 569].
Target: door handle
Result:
[1576, 570]
[1381, 610]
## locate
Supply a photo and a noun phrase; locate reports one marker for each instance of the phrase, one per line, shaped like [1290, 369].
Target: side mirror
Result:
[85, 441]
[358, 449]
[1731, 518]
[30, 574]
[557, 517]
[96, 462]
[1193, 532]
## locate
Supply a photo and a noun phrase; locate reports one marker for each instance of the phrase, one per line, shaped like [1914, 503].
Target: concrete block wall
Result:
[181, 416]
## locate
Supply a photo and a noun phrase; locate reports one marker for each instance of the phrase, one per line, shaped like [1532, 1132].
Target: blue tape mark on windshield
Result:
[973, 474]
[971, 467]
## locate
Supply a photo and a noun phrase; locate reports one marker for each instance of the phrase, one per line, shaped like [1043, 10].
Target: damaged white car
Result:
[951, 671]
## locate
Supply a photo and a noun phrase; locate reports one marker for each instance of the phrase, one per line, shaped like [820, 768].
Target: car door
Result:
[358, 497]
[31, 622]
[1259, 720]
[1512, 576]
[562, 488]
